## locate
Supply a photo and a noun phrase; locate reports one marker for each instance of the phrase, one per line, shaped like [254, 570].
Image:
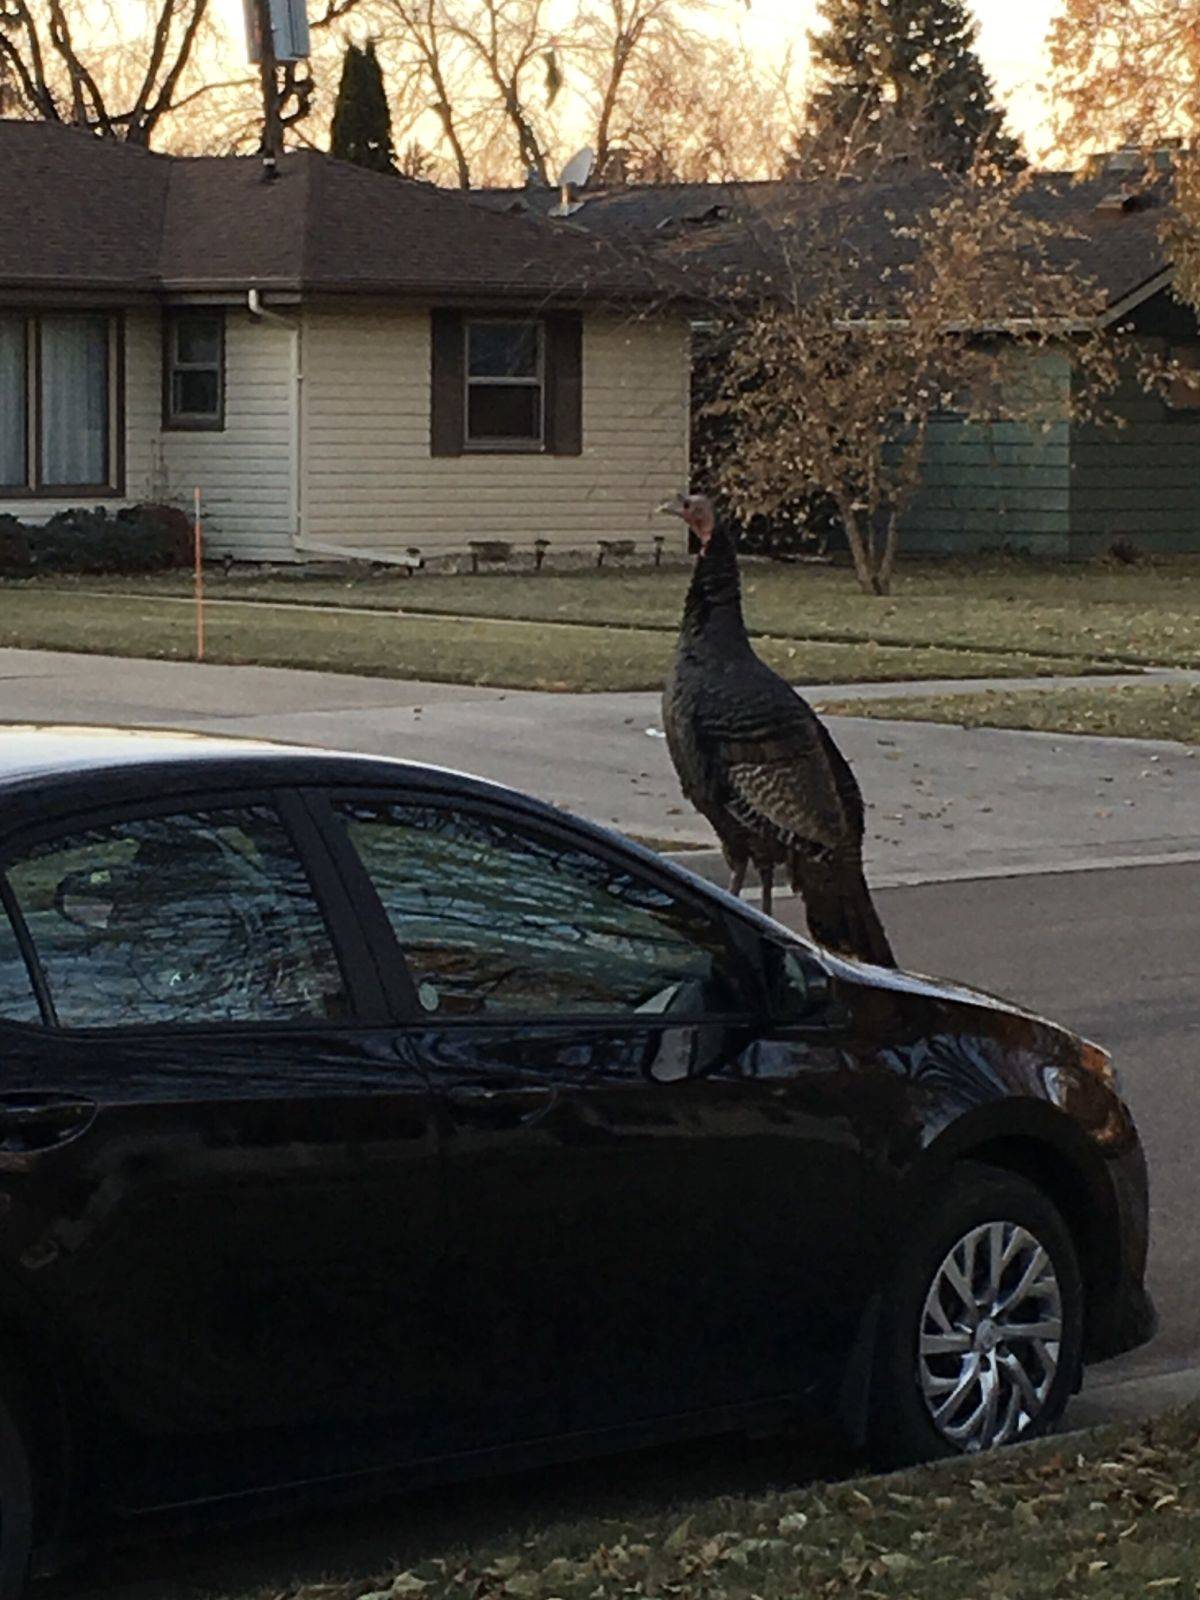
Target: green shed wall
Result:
[1141, 481]
[1072, 489]
[988, 485]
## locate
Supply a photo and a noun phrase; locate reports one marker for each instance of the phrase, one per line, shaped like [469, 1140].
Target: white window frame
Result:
[489, 442]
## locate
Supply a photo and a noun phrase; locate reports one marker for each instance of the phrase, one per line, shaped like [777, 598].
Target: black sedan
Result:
[362, 1118]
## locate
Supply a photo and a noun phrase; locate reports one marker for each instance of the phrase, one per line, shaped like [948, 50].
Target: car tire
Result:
[16, 1509]
[958, 1365]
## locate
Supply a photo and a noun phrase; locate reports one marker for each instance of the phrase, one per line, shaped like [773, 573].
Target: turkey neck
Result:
[712, 612]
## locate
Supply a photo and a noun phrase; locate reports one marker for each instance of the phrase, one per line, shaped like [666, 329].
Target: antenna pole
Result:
[198, 558]
[272, 131]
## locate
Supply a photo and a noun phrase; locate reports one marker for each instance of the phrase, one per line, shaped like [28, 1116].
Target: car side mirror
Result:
[797, 985]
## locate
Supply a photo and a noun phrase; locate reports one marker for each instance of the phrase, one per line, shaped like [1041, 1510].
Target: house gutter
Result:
[260, 313]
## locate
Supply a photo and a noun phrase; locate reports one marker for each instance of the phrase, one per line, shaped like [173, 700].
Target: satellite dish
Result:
[573, 176]
[578, 170]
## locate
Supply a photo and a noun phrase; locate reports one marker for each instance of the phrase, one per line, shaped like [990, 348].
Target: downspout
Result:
[254, 305]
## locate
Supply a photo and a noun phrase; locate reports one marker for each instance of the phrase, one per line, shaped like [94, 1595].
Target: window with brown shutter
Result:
[505, 384]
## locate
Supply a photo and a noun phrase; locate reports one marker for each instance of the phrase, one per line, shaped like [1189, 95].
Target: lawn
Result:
[447, 649]
[1110, 1515]
[1134, 711]
[1147, 614]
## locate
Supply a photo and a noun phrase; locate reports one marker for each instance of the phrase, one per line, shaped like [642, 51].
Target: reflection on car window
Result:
[17, 1000]
[193, 918]
[492, 920]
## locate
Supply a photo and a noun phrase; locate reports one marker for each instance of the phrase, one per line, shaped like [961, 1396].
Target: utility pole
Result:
[272, 142]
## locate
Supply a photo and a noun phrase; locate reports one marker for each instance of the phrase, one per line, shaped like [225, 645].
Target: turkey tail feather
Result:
[842, 915]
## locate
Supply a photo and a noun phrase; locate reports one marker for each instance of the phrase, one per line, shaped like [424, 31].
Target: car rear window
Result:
[188, 918]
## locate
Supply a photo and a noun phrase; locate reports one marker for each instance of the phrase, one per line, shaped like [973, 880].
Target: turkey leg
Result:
[767, 878]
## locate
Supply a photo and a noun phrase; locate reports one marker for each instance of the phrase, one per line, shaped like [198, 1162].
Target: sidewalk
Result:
[945, 802]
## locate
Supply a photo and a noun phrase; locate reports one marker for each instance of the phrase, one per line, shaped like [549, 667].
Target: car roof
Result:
[54, 757]
[47, 768]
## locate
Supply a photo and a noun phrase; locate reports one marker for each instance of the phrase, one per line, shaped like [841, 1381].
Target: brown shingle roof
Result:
[77, 211]
[94, 213]
[732, 229]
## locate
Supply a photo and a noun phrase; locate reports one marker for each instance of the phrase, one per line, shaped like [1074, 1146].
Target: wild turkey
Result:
[754, 758]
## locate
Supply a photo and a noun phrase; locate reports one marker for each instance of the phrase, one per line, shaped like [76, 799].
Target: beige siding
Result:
[244, 472]
[369, 481]
[143, 408]
[144, 473]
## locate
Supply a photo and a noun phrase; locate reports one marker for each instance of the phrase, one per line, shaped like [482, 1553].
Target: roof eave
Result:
[1129, 302]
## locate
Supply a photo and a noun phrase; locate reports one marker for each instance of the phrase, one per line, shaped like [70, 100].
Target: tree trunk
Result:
[861, 550]
[888, 565]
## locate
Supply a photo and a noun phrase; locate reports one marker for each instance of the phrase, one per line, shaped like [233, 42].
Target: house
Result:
[342, 362]
[1067, 492]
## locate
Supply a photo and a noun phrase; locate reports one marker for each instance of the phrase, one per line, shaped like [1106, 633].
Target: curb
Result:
[1132, 1399]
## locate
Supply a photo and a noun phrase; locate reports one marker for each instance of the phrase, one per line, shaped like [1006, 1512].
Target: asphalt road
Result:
[1115, 954]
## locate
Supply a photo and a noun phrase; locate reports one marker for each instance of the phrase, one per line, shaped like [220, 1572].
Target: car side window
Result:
[495, 920]
[196, 917]
[18, 1002]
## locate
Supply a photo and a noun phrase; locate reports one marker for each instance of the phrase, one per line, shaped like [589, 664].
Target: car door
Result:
[223, 1183]
[638, 1192]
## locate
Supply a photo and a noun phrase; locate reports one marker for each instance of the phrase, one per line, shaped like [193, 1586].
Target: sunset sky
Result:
[1012, 37]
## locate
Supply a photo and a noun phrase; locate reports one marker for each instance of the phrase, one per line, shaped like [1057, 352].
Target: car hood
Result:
[938, 1008]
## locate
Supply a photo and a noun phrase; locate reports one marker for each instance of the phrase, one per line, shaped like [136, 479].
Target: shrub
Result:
[145, 538]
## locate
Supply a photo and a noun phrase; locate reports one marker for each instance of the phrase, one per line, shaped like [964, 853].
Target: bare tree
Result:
[831, 373]
[58, 64]
[514, 48]
[734, 126]
[612, 37]
[432, 53]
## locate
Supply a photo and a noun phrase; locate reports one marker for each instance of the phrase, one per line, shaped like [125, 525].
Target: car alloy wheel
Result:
[990, 1337]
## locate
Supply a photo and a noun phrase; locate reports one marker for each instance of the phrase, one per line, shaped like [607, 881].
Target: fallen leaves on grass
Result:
[1134, 711]
[1113, 1515]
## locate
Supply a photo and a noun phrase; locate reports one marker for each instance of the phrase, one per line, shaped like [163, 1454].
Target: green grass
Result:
[1109, 1515]
[442, 649]
[1135, 711]
[1148, 613]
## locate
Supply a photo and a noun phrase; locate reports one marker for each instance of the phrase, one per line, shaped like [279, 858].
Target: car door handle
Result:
[469, 1094]
[38, 1122]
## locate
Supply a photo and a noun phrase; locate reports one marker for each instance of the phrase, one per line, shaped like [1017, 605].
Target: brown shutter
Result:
[564, 385]
[446, 429]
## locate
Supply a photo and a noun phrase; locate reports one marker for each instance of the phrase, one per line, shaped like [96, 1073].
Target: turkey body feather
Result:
[755, 759]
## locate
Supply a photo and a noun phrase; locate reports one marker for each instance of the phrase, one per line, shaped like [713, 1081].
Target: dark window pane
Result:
[17, 1000]
[201, 917]
[501, 411]
[195, 394]
[198, 340]
[492, 921]
[13, 463]
[502, 350]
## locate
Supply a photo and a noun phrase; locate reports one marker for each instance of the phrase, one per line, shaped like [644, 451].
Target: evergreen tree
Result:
[903, 77]
[362, 120]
